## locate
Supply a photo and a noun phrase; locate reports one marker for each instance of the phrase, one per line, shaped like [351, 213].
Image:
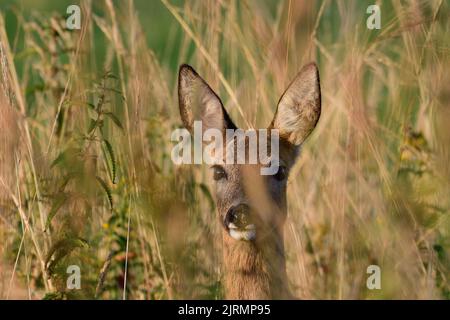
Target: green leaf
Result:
[66, 180]
[110, 75]
[112, 158]
[65, 155]
[114, 119]
[57, 204]
[82, 103]
[118, 92]
[58, 159]
[208, 195]
[53, 296]
[107, 190]
[92, 125]
[78, 242]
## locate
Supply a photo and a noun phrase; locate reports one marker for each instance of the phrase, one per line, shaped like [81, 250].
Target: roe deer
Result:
[252, 207]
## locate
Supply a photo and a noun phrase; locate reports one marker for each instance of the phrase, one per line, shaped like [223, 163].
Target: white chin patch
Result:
[248, 234]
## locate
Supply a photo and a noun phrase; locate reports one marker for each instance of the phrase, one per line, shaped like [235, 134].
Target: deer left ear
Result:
[198, 102]
[299, 107]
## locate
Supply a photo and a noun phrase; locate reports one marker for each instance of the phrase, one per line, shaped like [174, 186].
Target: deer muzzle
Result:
[239, 224]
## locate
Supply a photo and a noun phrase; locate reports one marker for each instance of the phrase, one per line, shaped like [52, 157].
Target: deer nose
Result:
[239, 216]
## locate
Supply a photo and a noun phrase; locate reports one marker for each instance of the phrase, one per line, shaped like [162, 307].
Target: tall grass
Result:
[85, 170]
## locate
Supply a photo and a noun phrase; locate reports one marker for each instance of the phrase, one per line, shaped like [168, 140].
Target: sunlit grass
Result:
[85, 170]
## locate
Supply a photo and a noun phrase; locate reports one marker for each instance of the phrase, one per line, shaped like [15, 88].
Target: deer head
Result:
[252, 207]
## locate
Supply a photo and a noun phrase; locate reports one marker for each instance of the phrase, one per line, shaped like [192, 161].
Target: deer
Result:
[252, 208]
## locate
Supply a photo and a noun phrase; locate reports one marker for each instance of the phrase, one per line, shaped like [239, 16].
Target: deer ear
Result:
[299, 107]
[198, 101]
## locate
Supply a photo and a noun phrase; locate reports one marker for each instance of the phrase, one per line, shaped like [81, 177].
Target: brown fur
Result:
[255, 269]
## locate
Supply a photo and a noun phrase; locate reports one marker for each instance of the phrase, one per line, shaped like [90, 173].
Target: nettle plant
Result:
[85, 167]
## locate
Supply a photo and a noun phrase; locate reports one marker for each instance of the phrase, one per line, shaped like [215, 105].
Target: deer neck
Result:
[255, 270]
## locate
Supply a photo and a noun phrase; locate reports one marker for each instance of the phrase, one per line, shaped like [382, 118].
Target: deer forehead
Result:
[255, 157]
[245, 183]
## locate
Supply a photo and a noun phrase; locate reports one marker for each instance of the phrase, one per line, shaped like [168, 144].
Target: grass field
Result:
[86, 116]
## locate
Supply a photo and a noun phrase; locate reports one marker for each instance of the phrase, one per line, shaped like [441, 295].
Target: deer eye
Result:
[219, 173]
[281, 173]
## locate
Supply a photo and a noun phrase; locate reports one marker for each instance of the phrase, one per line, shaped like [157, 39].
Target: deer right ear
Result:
[299, 107]
[198, 101]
